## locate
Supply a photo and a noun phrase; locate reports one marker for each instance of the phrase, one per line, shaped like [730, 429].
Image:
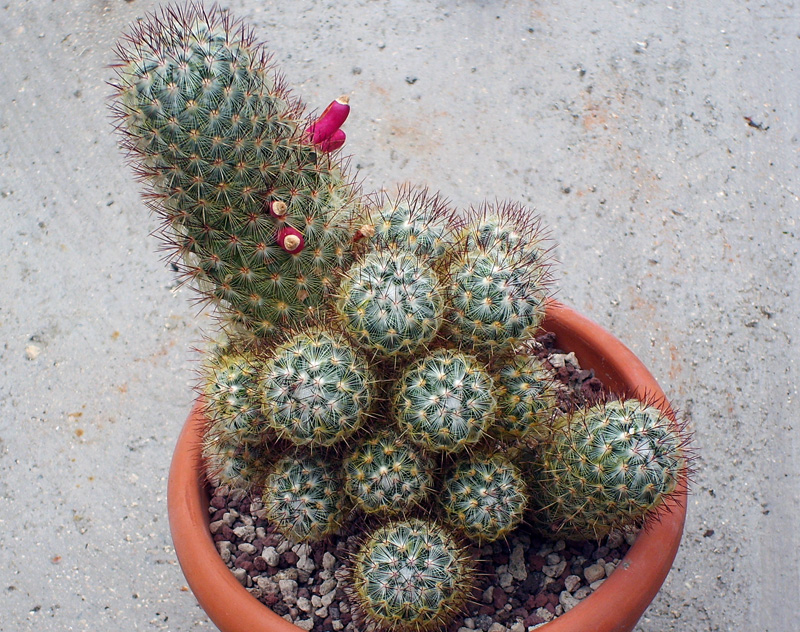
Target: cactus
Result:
[315, 389]
[411, 576]
[498, 280]
[303, 497]
[484, 497]
[609, 466]
[526, 398]
[238, 465]
[391, 302]
[445, 402]
[387, 475]
[229, 385]
[415, 220]
[259, 215]
[508, 226]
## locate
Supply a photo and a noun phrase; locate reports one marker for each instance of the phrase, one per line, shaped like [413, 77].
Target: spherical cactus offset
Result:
[608, 466]
[303, 497]
[387, 475]
[507, 226]
[391, 302]
[484, 497]
[526, 398]
[415, 220]
[315, 389]
[411, 576]
[498, 280]
[229, 384]
[219, 141]
[444, 402]
[238, 465]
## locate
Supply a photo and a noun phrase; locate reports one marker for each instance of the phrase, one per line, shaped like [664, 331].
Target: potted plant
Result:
[340, 310]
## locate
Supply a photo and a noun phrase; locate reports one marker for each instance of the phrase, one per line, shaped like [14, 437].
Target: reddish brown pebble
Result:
[533, 620]
[536, 563]
[270, 599]
[260, 564]
[218, 502]
[290, 557]
[499, 598]
[541, 600]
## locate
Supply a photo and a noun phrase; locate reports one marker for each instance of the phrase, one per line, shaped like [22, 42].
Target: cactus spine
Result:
[445, 401]
[303, 497]
[219, 141]
[391, 302]
[388, 475]
[484, 497]
[229, 383]
[411, 576]
[608, 466]
[526, 398]
[315, 389]
[415, 220]
[498, 281]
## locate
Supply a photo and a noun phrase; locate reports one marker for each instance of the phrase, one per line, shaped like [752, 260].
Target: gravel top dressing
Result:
[523, 581]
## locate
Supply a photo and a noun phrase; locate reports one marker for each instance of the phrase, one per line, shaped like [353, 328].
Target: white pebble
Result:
[497, 627]
[328, 586]
[304, 604]
[327, 600]
[567, 601]
[337, 625]
[328, 561]
[594, 572]
[306, 564]
[271, 556]
[505, 579]
[241, 575]
[571, 582]
[597, 584]
[555, 570]
[544, 613]
[244, 547]
[305, 624]
[516, 564]
[582, 593]
[288, 590]
[32, 352]
[553, 558]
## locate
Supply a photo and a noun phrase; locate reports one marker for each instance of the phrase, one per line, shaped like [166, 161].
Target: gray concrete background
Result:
[622, 123]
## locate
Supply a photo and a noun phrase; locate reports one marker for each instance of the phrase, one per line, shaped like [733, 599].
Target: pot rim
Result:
[615, 606]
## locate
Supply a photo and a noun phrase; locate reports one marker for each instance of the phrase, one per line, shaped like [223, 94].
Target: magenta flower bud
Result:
[290, 239]
[278, 209]
[334, 142]
[330, 121]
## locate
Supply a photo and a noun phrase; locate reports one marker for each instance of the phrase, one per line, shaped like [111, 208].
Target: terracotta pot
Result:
[616, 606]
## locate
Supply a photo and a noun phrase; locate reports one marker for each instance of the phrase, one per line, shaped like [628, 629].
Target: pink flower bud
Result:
[278, 209]
[334, 142]
[290, 239]
[331, 120]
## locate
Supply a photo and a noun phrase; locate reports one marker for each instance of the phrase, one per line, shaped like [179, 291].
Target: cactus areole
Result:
[616, 606]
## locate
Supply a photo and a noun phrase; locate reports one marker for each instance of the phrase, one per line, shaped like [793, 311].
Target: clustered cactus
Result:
[380, 355]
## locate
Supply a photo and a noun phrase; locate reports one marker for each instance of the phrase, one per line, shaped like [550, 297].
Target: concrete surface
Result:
[623, 123]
